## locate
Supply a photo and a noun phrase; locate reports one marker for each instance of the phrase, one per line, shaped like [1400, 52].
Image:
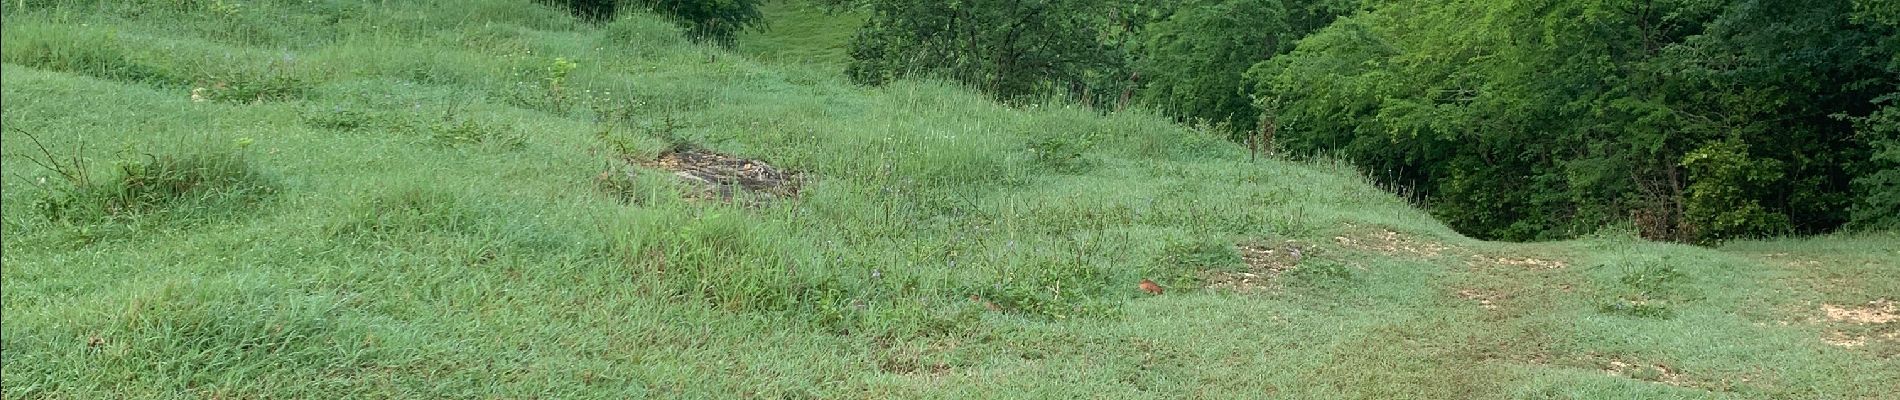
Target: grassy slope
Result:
[433, 228]
[802, 33]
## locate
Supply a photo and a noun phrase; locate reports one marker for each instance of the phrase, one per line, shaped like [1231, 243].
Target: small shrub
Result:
[1062, 153]
[546, 88]
[1878, 191]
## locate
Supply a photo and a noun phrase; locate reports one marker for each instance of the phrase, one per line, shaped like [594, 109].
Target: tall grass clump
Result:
[190, 186]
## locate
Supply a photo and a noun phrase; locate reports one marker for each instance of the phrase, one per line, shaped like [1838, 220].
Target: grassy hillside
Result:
[802, 33]
[470, 199]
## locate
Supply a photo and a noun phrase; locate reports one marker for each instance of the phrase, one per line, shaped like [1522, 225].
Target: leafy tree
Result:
[1700, 119]
[1878, 188]
[1009, 48]
[718, 21]
[1194, 60]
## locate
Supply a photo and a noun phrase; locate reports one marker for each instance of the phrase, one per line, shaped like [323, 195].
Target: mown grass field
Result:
[368, 199]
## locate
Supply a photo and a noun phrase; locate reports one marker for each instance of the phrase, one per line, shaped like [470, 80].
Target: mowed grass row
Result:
[434, 199]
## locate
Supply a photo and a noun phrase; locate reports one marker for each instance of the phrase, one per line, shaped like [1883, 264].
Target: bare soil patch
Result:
[1389, 242]
[1486, 299]
[1658, 373]
[1842, 339]
[1264, 260]
[1875, 312]
[725, 178]
[1521, 262]
[1863, 324]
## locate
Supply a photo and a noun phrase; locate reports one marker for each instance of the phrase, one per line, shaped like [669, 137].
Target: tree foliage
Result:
[1697, 120]
[1193, 59]
[1878, 188]
[1010, 48]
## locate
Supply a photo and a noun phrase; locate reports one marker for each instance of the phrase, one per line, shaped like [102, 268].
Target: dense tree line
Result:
[1693, 120]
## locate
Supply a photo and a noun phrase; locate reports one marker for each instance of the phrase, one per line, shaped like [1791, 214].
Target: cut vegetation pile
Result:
[370, 199]
[721, 177]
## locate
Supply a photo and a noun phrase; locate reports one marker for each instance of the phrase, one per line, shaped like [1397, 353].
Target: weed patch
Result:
[192, 186]
[1061, 152]
[453, 130]
[1648, 288]
[250, 88]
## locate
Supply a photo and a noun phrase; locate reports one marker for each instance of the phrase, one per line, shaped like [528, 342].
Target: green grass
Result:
[401, 200]
[802, 33]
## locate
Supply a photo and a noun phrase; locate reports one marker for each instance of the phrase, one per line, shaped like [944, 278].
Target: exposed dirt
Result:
[1658, 373]
[1522, 262]
[725, 178]
[1265, 261]
[1842, 339]
[1876, 312]
[1486, 299]
[1243, 282]
[1866, 320]
[1389, 242]
[1791, 261]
